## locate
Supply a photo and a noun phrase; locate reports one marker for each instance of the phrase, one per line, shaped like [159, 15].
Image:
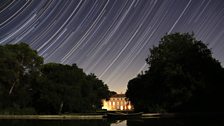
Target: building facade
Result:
[117, 102]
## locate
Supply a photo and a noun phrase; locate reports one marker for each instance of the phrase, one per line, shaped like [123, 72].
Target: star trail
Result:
[110, 38]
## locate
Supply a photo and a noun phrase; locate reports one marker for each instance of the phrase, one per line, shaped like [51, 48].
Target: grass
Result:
[51, 117]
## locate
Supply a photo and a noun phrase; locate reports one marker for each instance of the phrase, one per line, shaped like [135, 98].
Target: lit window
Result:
[122, 108]
[129, 107]
[113, 103]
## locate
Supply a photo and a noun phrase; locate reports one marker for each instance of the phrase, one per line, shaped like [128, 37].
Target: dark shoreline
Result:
[184, 115]
[51, 117]
[95, 117]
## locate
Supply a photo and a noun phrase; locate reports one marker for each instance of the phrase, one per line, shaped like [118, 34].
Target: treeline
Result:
[27, 86]
[182, 77]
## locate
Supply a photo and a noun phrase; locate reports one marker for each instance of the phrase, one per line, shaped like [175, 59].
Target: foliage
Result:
[66, 89]
[182, 76]
[29, 86]
[18, 67]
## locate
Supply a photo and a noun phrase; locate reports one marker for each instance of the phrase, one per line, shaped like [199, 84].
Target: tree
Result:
[27, 86]
[19, 67]
[97, 92]
[66, 89]
[182, 76]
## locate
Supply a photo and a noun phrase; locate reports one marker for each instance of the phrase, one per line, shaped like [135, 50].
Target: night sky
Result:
[110, 38]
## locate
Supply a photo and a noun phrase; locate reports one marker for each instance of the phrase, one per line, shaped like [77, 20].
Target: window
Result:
[122, 108]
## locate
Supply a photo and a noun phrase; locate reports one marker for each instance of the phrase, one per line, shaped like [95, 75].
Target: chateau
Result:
[117, 102]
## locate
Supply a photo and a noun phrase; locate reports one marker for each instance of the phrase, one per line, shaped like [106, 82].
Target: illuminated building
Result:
[117, 102]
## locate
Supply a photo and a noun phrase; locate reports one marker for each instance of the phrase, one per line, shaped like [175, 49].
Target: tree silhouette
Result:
[182, 76]
[27, 86]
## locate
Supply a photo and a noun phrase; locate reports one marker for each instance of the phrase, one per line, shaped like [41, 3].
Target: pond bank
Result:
[51, 117]
[183, 115]
[101, 116]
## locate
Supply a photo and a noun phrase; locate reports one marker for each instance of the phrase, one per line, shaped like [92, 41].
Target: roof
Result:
[118, 96]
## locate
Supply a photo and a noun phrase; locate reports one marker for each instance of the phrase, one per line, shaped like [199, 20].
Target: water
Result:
[105, 122]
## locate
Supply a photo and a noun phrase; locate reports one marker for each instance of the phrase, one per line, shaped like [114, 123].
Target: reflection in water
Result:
[177, 122]
[119, 123]
[105, 122]
[54, 123]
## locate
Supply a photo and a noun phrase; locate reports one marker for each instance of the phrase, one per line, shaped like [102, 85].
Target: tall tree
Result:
[26, 84]
[19, 66]
[182, 76]
[65, 88]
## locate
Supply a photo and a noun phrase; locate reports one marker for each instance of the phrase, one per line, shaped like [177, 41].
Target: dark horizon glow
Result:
[110, 38]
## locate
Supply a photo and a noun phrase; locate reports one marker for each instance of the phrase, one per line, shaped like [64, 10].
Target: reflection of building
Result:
[117, 102]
